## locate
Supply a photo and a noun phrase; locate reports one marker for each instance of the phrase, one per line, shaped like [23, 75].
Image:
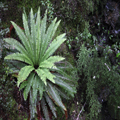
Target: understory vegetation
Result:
[60, 60]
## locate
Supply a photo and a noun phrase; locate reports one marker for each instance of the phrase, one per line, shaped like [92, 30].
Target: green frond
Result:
[35, 86]
[65, 78]
[27, 33]
[38, 36]
[64, 65]
[46, 64]
[45, 74]
[42, 75]
[23, 84]
[44, 108]
[51, 104]
[32, 105]
[49, 63]
[55, 96]
[24, 73]
[26, 27]
[49, 75]
[62, 93]
[33, 34]
[15, 66]
[55, 29]
[43, 31]
[55, 59]
[15, 44]
[27, 89]
[41, 88]
[62, 74]
[19, 57]
[22, 37]
[50, 33]
[65, 85]
[54, 46]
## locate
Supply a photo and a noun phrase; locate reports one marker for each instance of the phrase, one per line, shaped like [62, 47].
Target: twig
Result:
[107, 66]
[80, 111]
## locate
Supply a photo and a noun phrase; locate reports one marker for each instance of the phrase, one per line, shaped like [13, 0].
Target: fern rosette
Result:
[35, 50]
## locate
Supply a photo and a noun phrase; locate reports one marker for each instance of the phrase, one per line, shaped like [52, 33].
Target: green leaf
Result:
[45, 73]
[33, 34]
[51, 104]
[42, 75]
[55, 96]
[46, 64]
[49, 63]
[61, 93]
[22, 37]
[62, 74]
[41, 88]
[35, 87]
[24, 73]
[50, 33]
[65, 85]
[43, 30]
[27, 89]
[49, 75]
[26, 27]
[19, 57]
[27, 33]
[44, 108]
[38, 36]
[23, 84]
[67, 79]
[16, 44]
[54, 46]
[118, 54]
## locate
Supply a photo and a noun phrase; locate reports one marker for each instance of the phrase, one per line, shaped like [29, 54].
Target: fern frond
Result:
[61, 93]
[38, 36]
[42, 75]
[55, 96]
[45, 73]
[35, 86]
[50, 33]
[49, 63]
[51, 104]
[44, 108]
[41, 88]
[27, 33]
[55, 44]
[23, 84]
[49, 75]
[19, 57]
[15, 44]
[24, 73]
[66, 86]
[26, 27]
[28, 86]
[43, 31]
[22, 37]
[33, 35]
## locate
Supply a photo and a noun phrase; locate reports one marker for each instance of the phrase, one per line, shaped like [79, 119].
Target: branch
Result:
[80, 111]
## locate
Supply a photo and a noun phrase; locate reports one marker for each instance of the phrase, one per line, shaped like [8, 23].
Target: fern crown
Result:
[37, 47]
[42, 76]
